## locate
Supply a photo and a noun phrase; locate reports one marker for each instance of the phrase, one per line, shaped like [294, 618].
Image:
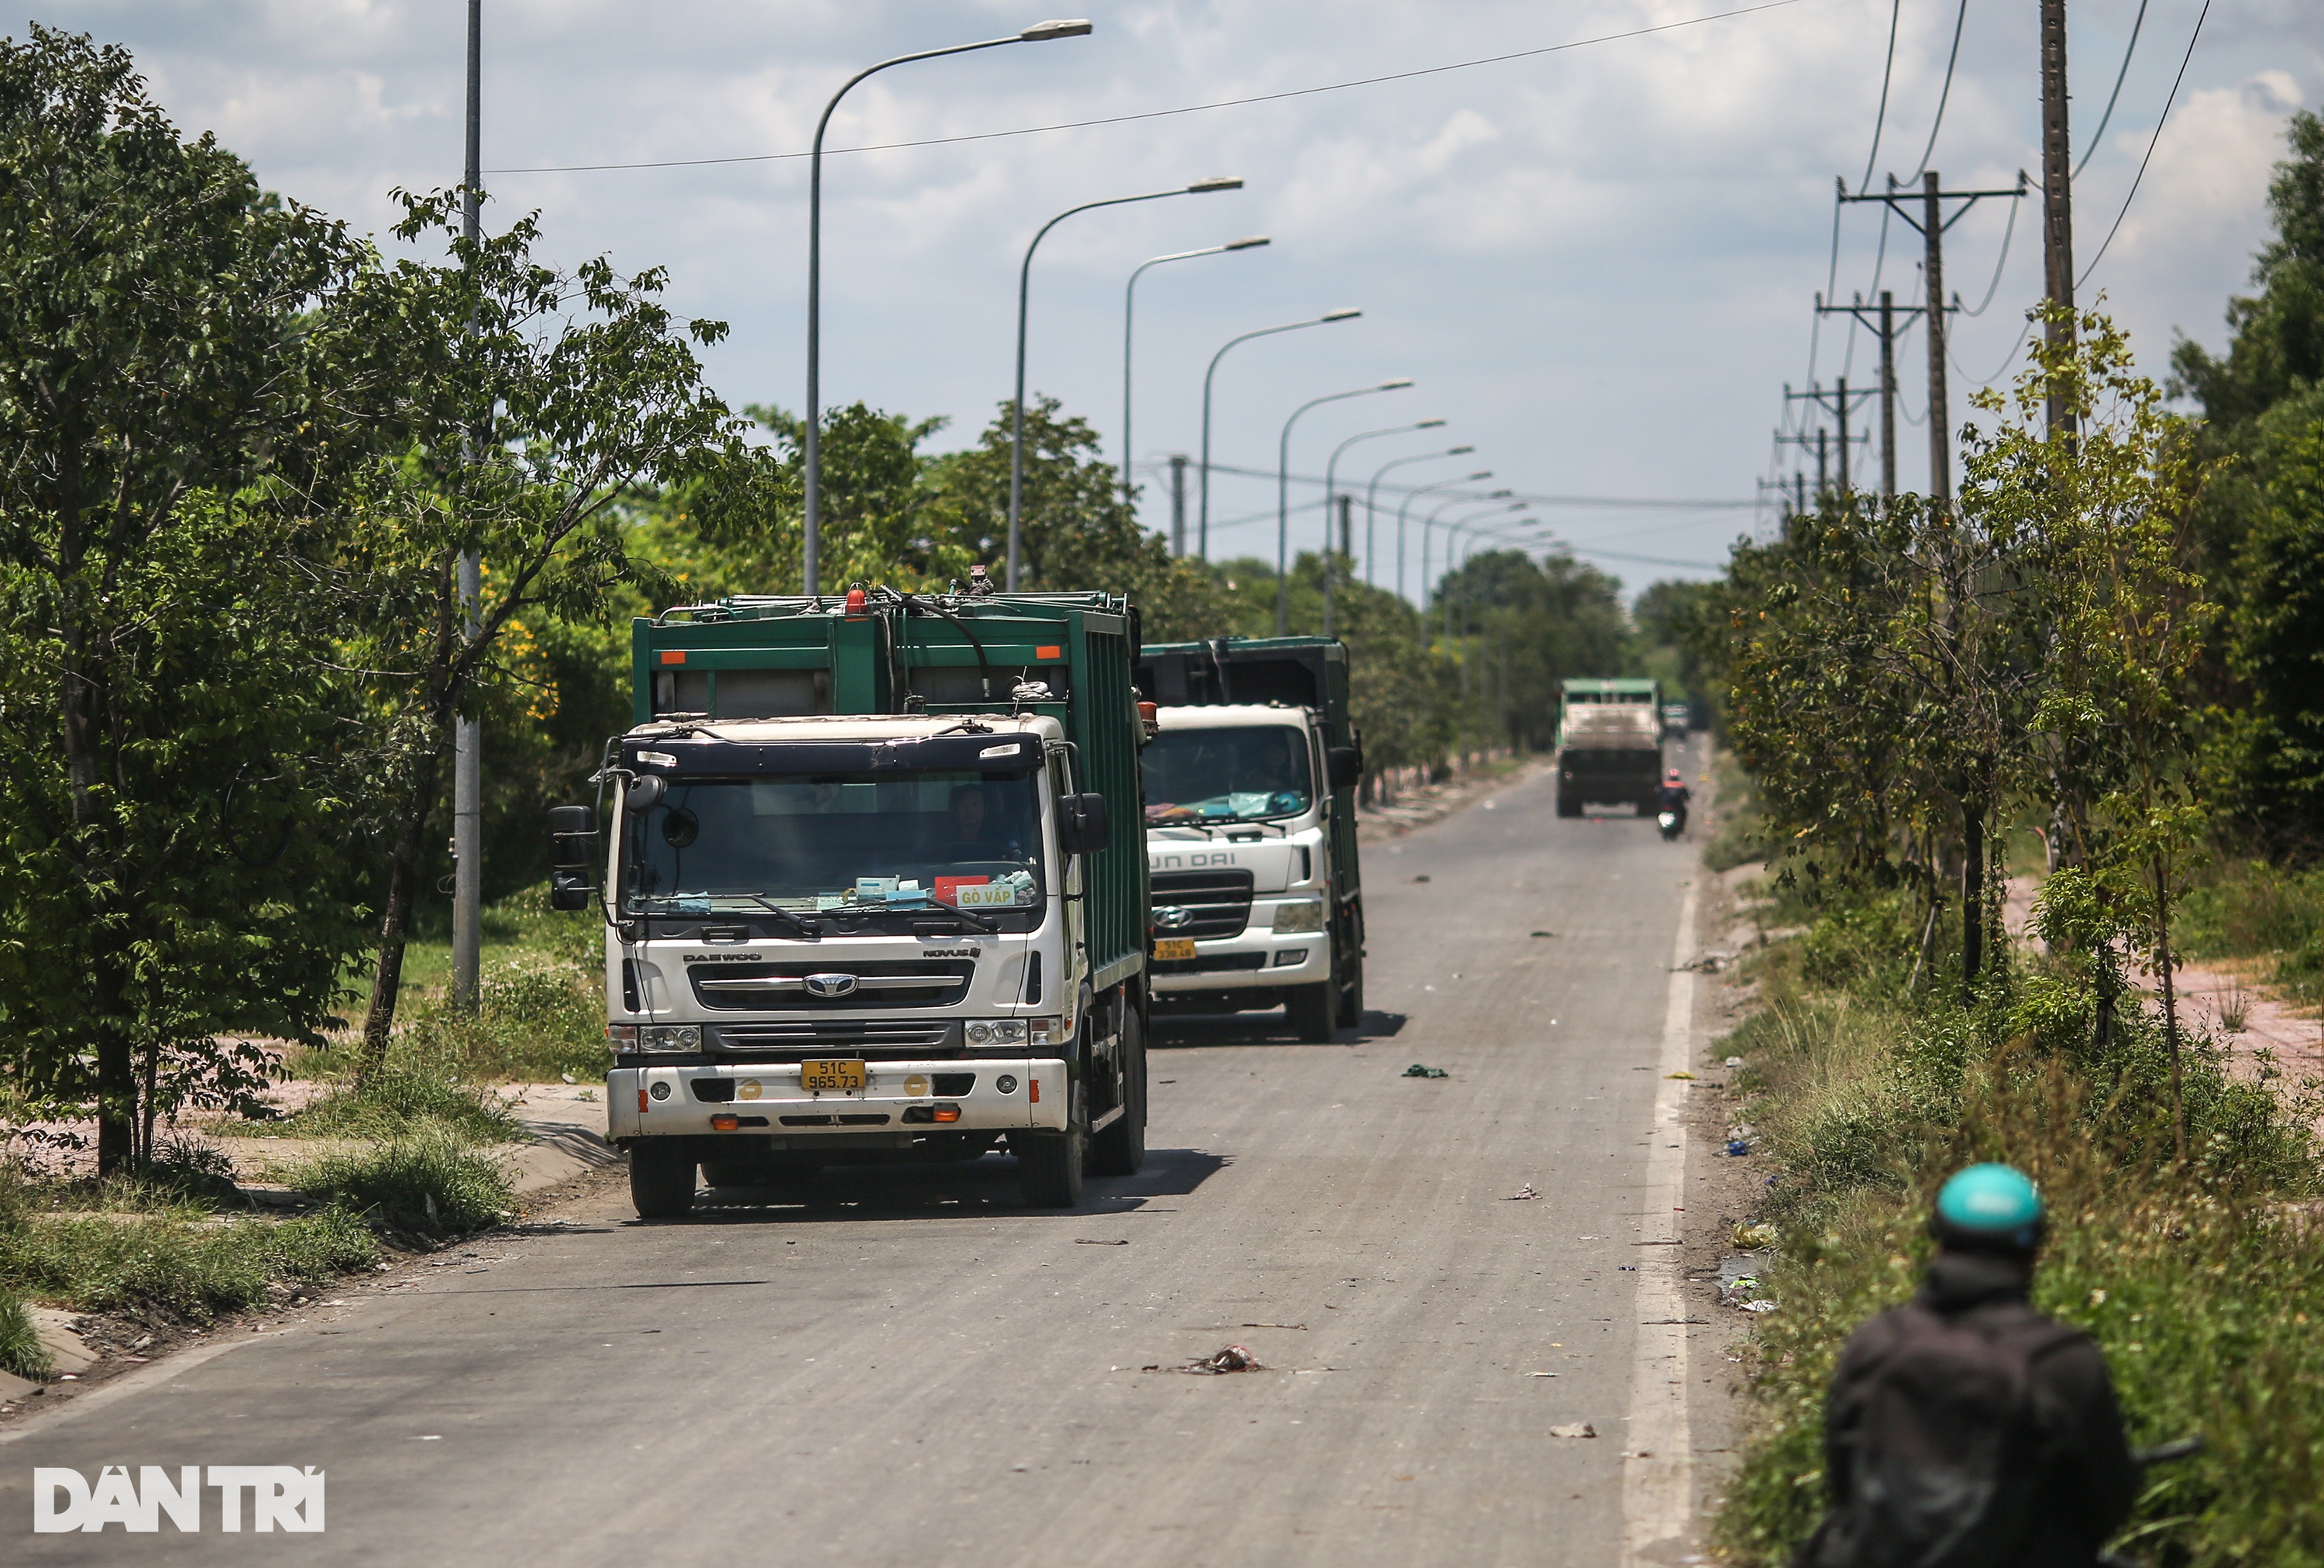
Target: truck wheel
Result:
[1120, 1148]
[1569, 805]
[661, 1180]
[1308, 1009]
[1050, 1164]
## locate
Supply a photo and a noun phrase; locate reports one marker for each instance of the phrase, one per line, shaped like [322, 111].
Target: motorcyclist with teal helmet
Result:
[1965, 1429]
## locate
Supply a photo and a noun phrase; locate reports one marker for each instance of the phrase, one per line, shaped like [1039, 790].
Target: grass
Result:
[20, 1351]
[426, 1182]
[2204, 1287]
[2250, 909]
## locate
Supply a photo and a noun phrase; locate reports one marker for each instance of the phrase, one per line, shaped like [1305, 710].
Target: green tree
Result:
[174, 422]
[551, 398]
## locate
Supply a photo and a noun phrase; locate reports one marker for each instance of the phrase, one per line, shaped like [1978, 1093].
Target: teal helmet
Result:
[1989, 1207]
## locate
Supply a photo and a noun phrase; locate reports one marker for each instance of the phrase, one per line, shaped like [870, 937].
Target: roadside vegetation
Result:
[2108, 648]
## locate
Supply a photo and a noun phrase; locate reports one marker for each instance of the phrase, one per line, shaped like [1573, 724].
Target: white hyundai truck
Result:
[1250, 831]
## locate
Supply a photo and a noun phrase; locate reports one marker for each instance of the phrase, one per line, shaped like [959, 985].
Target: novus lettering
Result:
[281, 1497]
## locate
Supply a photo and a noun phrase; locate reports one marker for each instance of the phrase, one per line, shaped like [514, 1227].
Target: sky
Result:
[1596, 264]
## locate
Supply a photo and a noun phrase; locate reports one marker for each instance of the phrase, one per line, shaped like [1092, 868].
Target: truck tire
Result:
[1120, 1148]
[661, 1180]
[1050, 1164]
[1568, 805]
[1309, 1010]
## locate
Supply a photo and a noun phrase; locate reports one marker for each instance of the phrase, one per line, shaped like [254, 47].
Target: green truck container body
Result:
[746, 658]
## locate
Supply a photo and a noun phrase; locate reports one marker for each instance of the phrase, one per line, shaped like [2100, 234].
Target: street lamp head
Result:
[1216, 182]
[1397, 384]
[1248, 243]
[1341, 314]
[1427, 424]
[1042, 31]
[1500, 496]
[1458, 451]
[1480, 473]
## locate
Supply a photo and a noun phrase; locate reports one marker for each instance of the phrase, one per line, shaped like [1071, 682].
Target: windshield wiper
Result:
[799, 923]
[931, 905]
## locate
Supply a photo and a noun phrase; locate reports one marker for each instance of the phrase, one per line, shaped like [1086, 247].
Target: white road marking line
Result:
[1658, 1479]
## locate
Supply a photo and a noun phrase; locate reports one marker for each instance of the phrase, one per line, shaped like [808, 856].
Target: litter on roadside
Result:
[1734, 1061]
[1523, 1193]
[1574, 1429]
[1751, 1237]
[1689, 1077]
[1231, 1358]
[1737, 1147]
[1418, 1071]
[1759, 1307]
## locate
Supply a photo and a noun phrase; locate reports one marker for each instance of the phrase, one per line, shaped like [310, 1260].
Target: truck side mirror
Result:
[572, 854]
[1082, 824]
[1346, 766]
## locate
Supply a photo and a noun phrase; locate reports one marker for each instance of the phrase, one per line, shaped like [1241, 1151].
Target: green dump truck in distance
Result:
[1609, 744]
[874, 888]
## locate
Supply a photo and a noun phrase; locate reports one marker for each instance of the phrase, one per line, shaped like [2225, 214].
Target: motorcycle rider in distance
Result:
[1672, 797]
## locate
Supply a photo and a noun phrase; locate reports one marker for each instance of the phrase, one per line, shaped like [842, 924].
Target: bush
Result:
[196, 1269]
[2204, 1287]
[402, 1097]
[425, 1182]
[21, 1350]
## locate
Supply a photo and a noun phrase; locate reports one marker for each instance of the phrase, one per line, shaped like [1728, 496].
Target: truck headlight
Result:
[989, 1033]
[669, 1037]
[1296, 919]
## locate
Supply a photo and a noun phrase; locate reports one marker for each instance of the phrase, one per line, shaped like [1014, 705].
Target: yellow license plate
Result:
[832, 1077]
[1167, 947]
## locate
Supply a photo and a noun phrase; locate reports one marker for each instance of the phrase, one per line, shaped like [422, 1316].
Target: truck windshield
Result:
[851, 843]
[1226, 774]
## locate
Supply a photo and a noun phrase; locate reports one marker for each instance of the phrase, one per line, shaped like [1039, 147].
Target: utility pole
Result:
[1931, 221]
[1177, 503]
[2057, 195]
[467, 733]
[1838, 403]
[1881, 322]
[1332, 562]
[1941, 440]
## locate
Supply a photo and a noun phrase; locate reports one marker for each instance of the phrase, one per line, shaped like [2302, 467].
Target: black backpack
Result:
[1943, 1444]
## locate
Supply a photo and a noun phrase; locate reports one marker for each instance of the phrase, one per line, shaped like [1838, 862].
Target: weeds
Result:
[21, 1350]
[425, 1182]
[2204, 1287]
[194, 1269]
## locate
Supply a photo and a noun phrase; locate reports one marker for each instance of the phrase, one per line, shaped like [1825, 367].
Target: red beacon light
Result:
[857, 604]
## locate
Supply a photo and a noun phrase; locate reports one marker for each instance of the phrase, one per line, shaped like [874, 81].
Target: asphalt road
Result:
[903, 1367]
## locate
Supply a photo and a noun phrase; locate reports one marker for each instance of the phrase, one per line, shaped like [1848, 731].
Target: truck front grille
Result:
[1212, 903]
[779, 1042]
[842, 985]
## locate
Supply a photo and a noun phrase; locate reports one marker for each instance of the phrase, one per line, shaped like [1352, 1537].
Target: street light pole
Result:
[811, 455]
[1331, 489]
[1371, 498]
[1129, 305]
[1462, 530]
[1024, 300]
[1409, 497]
[1428, 535]
[1203, 528]
[1283, 496]
[468, 733]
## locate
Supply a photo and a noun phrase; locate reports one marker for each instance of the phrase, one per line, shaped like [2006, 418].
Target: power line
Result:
[2098, 135]
[1880, 119]
[1188, 109]
[1959, 16]
[2150, 145]
[2006, 235]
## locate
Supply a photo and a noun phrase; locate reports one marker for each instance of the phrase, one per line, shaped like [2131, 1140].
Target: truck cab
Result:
[837, 937]
[1251, 832]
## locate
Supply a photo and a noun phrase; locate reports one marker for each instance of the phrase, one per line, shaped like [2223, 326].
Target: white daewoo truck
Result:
[1250, 831]
[872, 891]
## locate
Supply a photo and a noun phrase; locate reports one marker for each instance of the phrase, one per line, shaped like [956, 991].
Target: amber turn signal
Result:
[947, 1113]
[724, 1123]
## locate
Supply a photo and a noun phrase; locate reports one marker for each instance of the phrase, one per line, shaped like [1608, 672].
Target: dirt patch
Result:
[1419, 808]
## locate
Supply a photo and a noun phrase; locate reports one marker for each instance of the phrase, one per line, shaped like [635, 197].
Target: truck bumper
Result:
[766, 1100]
[1257, 961]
